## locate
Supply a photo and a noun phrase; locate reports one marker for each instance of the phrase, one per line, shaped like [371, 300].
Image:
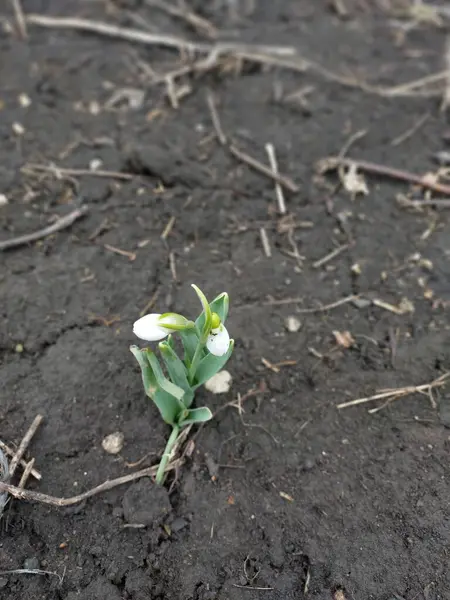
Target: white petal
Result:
[148, 329]
[218, 341]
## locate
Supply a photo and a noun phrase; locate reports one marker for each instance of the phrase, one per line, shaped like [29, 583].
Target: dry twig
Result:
[243, 156]
[278, 189]
[58, 225]
[157, 39]
[202, 25]
[30, 496]
[20, 18]
[265, 242]
[333, 163]
[18, 456]
[60, 172]
[10, 452]
[323, 308]
[389, 395]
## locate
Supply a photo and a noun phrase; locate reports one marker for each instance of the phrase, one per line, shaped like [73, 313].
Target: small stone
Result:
[19, 348]
[95, 164]
[145, 503]
[24, 100]
[219, 383]
[361, 302]
[3, 200]
[94, 108]
[292, 324]
[31, 563]
[356, 269]
[113, 443]
[18, 128]
[3, 582]
[178, 524]
[308, 464]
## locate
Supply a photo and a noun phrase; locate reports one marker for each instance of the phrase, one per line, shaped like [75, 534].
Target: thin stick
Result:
[168, 228]
[323, 308]
[20, 18]
[199, 23]
[150, 304]
[246, 158]
[61, 172]
[284, 180]
[24, 445]
[332, 163]
[215, 119]
[26, 473]
[398, 392]
[130, 255]
[322, 261]
[62, 223]
[30, 496]
[30, 572]
[278, 189]
[144, 37]
[173, 266]
[265, 242]
[411, 131]
[10, 452]
[252, 587]
[441, 202]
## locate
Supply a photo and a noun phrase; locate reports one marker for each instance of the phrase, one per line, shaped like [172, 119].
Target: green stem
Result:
[195, 360]
[166, 456]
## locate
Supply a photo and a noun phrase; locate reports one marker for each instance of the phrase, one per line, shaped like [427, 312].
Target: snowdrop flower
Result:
[155, 327]
[218, 340]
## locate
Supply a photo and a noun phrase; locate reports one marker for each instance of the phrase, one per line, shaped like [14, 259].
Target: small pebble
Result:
[24, 100]
[3, 200]
[308, 464]
[113, 443]
[18, 128]
[219, 383]
[292, 324]
[95, 164]
[178, 524]
[31, 563]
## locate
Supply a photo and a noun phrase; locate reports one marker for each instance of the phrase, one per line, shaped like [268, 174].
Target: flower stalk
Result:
[207, 347]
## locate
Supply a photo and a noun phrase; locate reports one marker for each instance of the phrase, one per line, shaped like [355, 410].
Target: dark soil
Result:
[309, 501]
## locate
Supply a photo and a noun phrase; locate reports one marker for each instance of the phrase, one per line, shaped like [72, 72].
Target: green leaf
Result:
[167, 405]
[148, 377]
[177, 371]
[203, 322]
[197, 415]
[170, 340]
[210, 365]
[220, 306]
[163, 382]
[190, 340]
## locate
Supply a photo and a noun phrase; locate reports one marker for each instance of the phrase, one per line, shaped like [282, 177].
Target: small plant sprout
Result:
[206, 349]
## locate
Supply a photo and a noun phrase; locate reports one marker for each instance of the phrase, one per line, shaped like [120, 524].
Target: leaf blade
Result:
[177, 372]
[197, 415]
[210, 365]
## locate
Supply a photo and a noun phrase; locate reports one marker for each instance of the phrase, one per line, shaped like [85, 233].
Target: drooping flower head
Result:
[155, 327]
[218, 340]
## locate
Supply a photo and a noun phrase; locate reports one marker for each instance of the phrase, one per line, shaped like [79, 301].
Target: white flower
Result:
[148, 328]
[218, 341]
